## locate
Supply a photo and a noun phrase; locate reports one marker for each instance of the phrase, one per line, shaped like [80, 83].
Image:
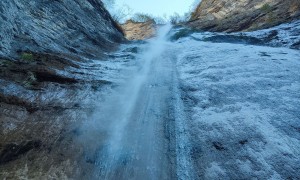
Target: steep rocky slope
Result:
[50, 74]
[242, 107]
[69, 26]
[139, 30]
[246, 15]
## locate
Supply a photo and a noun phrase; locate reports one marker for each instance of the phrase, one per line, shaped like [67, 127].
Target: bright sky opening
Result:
[161, 8]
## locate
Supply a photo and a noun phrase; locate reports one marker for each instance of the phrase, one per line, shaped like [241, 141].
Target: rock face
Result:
[139, 30]
[69, 26]
[50, 72]
[244, 15]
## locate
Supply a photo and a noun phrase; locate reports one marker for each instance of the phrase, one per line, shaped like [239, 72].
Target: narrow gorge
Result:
[213, 96]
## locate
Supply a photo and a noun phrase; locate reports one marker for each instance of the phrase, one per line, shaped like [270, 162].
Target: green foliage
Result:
[30, 80]
[271, 18]
[266, 8]
[6, 63]
[27, 57]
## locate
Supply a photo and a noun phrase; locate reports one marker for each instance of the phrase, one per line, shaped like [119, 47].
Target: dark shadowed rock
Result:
[12, 151]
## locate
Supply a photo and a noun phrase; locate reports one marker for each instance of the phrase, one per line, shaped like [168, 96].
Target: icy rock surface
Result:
[286, 35]
[193, 109]
[243, 107]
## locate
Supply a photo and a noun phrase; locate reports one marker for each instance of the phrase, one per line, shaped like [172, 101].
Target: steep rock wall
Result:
[139, 30]
[48, 83]
[243, 15]
[67, 26]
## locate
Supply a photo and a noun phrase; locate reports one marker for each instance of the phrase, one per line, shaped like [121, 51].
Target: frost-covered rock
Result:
[68, 26]
[284, 35]
[287, 35]
[242, 105]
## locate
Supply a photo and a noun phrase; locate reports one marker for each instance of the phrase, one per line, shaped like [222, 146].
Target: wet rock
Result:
[272, 35]
[182, 33]
[13, 151]
[234, 39]
[296, 45]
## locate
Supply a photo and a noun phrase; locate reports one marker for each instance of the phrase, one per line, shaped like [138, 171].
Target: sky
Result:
[159, 8]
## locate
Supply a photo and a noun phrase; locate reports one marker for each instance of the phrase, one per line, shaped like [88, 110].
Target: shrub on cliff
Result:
[266, 8]
[27, 57]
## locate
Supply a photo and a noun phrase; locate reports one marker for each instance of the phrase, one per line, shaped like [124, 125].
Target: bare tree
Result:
[122, 13]
[141, 17]
[175, 18]
[119, 13]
